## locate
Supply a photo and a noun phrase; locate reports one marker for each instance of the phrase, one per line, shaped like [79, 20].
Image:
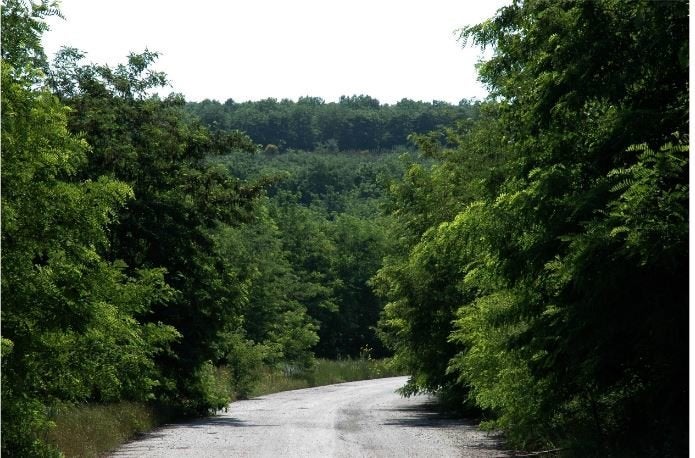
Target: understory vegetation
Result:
[324, 372]
[525, 257]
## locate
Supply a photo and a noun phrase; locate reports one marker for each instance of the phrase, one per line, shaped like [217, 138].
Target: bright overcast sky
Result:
[253, 49]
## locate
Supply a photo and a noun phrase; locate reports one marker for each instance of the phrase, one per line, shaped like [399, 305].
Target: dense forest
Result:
[322, 213]
[543, 271]
[525, 258]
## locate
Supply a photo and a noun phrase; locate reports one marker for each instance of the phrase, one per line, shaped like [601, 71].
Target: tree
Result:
[274, 318]
[325, 239]
[419, 279]
[21, 41]
[357, 122]
[70, 323]
[566, 267]
[180, 202]
[596, 308]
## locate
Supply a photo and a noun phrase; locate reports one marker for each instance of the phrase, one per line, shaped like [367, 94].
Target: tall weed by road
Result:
[90, 430]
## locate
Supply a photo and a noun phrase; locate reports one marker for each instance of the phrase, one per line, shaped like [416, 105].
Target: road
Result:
[356, 419]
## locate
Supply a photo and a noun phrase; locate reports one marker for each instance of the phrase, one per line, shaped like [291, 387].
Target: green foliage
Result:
[180, 203]
[324, 240]
[532, 262]
[68, 313]
[23, 25]
[420, 279]
[565, 266]
[500, 377]
[607, 332]
[116, 284]
[273, 317]
[355, 123]
[360, 245]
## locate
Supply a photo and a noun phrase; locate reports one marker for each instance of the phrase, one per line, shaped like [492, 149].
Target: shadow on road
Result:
[429, 415]
[201, 423]
[220, 421]
[431, 420]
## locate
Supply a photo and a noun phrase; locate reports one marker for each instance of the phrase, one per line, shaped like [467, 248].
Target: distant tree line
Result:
[357, 122]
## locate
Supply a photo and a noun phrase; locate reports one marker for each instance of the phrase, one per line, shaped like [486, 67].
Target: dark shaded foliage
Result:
[567, 271]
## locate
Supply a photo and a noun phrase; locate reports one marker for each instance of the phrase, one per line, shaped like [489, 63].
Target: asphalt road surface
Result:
[356, 419]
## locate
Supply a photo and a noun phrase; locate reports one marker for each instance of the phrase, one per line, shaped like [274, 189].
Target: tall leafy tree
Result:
[180, 202]
[605, 318]
[420, 286]
[274, 317]
[70, 331]
[570, 268]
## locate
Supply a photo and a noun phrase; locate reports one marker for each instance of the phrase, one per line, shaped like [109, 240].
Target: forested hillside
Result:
[321, 216]
[525, 258]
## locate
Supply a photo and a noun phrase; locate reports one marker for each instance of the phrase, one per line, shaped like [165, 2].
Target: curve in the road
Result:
[356, 419]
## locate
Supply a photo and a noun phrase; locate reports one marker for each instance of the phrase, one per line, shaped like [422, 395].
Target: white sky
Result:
[253, 49]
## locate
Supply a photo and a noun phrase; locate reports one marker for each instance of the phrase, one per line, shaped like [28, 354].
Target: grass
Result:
[325, 372]
[91, 430]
